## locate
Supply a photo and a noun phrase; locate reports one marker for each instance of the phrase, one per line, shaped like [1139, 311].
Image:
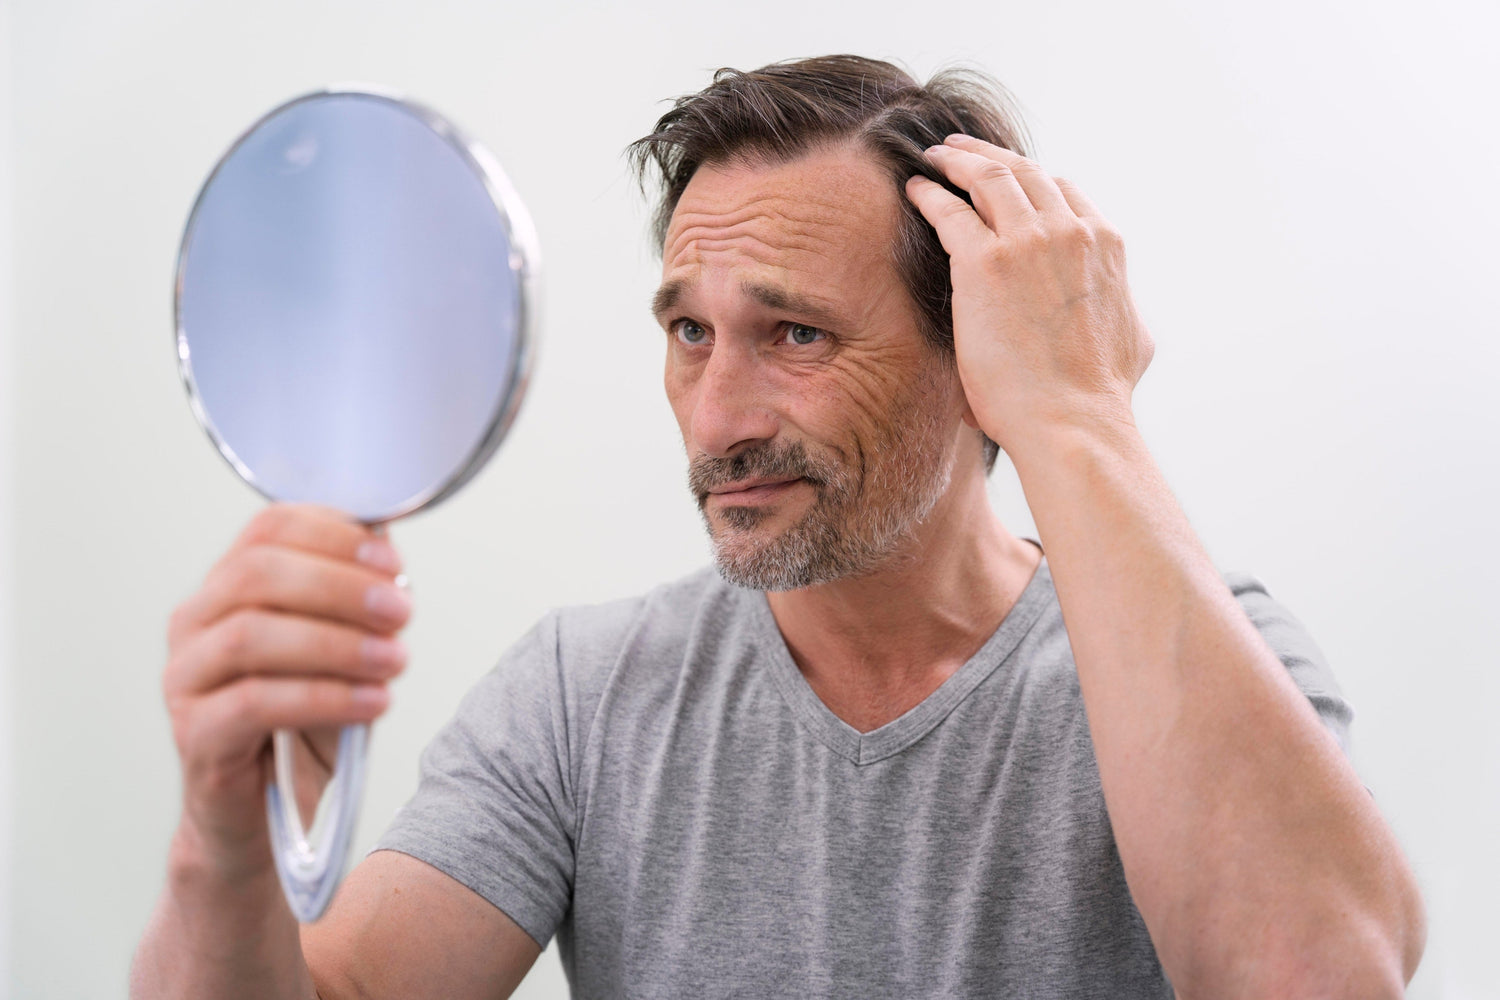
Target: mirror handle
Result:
[311, 862]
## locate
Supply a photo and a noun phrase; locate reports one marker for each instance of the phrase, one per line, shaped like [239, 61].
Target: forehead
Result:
[827, 217]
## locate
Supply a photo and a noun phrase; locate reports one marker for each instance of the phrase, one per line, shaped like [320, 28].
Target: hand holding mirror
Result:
[354, 326]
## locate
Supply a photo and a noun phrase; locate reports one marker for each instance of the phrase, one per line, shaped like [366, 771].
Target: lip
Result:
[753, 490]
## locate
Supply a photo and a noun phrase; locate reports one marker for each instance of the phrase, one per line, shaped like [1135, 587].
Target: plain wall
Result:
[1306, 189]
[7, 398]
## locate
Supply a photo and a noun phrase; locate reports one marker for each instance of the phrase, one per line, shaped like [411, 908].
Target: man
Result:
[865, 758]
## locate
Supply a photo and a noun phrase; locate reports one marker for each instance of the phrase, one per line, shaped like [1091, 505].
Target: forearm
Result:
[1254, 853]
[212, 936]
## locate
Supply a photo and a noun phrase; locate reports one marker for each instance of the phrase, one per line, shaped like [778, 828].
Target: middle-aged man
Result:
[888, 749]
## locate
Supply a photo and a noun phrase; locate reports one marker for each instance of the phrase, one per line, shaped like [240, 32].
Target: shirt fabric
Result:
[654, 782]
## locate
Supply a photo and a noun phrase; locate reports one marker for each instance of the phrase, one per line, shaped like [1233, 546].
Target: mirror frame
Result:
[525, 264]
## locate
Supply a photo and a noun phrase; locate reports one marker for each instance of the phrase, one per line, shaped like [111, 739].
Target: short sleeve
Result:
[493, 807]
[1304, 661]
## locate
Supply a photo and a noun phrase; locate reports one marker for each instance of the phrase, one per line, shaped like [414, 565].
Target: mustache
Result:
[771, 461]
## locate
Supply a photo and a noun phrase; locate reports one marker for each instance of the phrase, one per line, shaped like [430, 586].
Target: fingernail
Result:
[369, 696]
[377, 552]
[957, 137]
[383, 656]
[402, 582]
[388, 603]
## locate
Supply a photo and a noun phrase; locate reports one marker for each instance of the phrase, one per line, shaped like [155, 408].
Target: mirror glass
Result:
[351, 304]
[354, 329]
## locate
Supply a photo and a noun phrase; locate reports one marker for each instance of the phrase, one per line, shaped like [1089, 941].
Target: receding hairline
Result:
[753, 160]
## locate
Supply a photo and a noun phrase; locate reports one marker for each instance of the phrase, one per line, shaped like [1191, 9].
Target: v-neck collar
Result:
[920, 719]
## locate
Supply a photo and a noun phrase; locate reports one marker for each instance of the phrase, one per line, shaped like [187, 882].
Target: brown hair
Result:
[786, 108]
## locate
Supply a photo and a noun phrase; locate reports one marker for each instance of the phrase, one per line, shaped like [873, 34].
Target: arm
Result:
[1258, 861]
[218, 932]
[1255, 854]
[401, 929]
[398, 928]
[287, 631]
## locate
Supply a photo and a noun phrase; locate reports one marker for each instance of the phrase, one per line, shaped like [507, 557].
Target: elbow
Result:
[1339, 956]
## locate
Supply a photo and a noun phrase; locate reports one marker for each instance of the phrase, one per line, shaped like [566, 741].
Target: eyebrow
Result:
[672, 292]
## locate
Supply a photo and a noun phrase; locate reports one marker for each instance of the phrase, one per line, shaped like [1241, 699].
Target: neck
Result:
[874, 646]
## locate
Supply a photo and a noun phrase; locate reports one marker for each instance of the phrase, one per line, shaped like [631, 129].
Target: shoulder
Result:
[1282, 630]
[541, 699]
[593, 639]
[579, 653]
[1290, 640]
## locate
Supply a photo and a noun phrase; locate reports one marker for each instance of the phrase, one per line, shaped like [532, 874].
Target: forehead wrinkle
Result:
[814, 225]
[754, 232]
[781, 255]
[794, 221]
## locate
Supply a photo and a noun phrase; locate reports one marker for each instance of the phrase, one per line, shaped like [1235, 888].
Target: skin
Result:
[1257, 859]
[1260, 864]
[816, 230]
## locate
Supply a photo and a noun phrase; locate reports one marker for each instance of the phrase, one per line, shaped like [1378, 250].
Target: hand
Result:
[294, 627]
[1043, 323]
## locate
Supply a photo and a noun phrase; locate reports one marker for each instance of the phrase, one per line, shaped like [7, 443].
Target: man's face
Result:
[820, 427]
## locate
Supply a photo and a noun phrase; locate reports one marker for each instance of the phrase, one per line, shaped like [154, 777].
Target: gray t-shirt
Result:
[654, 782]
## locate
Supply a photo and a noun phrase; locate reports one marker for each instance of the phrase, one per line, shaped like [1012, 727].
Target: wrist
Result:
[197, 870]
[1063, 440]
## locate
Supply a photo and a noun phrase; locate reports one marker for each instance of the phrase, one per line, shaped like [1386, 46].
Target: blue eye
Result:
[690, 333]
[801, 333]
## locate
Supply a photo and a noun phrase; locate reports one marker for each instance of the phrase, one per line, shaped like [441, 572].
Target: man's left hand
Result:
[1044, 327]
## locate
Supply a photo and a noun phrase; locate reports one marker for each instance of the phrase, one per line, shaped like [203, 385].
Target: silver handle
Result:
[311, 861]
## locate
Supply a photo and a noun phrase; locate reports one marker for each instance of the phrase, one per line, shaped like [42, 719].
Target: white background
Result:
[1307, 191]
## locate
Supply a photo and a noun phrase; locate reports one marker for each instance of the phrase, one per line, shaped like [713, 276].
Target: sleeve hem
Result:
[532, 915]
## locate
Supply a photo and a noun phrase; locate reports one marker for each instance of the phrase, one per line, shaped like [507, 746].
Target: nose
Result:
[731, 401]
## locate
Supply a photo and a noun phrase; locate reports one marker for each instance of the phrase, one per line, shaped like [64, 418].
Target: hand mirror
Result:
[354, 326]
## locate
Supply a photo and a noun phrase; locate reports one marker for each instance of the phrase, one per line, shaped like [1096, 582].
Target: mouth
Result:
[752, 491]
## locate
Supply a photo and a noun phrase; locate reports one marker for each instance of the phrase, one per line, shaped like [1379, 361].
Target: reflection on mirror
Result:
[354, 326]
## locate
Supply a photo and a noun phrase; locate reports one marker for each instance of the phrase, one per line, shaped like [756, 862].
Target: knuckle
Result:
[1108, 236]
[1001, 252]
[177, 624]
[954, 209]
[993, 170]
[1031, 239]
[1078, 232]
[245, 575]
[181, 719]
[247, 699]
[239, 635]
[266, 526]
[171, 681]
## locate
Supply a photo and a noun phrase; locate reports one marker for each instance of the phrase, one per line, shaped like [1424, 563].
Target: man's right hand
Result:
[294, 627]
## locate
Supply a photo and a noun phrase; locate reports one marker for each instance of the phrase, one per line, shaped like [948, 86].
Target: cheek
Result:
[868, 391]
[678, 386]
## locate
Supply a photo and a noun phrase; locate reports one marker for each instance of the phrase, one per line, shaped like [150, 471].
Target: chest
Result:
[732, 846]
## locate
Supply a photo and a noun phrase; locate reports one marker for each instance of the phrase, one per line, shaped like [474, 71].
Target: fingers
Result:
[1046, 194]
[1080, 203]
[233, 721]
[319, 530]
[264, 642]
[296, 581]
[995, 189]
[958, 226]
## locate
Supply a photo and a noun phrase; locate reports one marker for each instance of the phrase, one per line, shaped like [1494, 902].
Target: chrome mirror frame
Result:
[311, 862]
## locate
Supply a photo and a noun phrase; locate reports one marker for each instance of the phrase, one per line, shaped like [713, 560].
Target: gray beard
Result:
[861, 520]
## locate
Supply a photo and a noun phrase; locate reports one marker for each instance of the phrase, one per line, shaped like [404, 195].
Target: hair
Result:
[788, 108]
